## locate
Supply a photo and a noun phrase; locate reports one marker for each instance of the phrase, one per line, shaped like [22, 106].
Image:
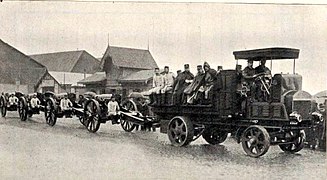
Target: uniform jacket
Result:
[262, 69]
[195, 85]
[210, 77]
[168, 79]
[158, 81]
[180, 84]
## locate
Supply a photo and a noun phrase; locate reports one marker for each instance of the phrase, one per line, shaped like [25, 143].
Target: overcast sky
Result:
[177, 33]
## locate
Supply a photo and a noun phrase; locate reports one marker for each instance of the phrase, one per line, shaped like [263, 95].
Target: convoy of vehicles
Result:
[279, 118]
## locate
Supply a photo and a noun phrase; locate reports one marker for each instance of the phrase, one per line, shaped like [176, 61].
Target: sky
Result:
[176, 33]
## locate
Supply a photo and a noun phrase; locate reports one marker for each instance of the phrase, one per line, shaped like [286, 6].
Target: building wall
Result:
[49, 83]
[97, 88]
[127, 71]
[13, 87]
[130, 87]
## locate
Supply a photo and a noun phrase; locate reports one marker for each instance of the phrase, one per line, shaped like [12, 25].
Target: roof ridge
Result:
[76, 60]
[129, 48]
[33, 60]
[71, 51]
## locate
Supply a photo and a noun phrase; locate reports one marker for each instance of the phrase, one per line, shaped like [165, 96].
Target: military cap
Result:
[186, 66]
[206, 64]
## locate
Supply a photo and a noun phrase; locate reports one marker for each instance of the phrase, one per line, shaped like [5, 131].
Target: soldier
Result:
[168, 79]
[35, 102]
[248, 75]
[66, 105]
[181, 82]
[210, 78]
[260, 92]
[262, 68]
[191, 91]
[13, 100]
[113, 109]
[158, 83]
[249, 72]
[219, 68]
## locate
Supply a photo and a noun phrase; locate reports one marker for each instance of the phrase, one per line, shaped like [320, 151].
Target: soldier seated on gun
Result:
[81, 101]
[35, 102]
[66, 106]
[157, 85]
[113, 110]
[13, 100]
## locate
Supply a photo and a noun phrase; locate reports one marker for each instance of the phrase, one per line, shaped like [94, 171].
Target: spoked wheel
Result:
[180, 131]
[50, 112]
[81, 119]
[92, 115]
[214, 135]
[297, 145]
[125, 124]
[3, 107]
[255, 141]
[22, 109]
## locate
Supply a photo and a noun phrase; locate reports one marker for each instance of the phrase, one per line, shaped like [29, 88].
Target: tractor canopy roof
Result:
[274, 53]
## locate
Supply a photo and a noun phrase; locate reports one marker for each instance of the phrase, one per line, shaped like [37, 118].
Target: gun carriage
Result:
[53, 109]
[10, 102]
[135, 113]
[278, 117]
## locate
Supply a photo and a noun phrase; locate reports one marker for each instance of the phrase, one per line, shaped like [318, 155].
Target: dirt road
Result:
[33, 150]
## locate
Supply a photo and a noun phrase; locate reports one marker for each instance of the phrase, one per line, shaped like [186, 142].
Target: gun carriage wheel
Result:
[180, 131]
[22, 108]
[92, 115]
[125, 124]
[3, 103]
[50, 112]
[255, 141]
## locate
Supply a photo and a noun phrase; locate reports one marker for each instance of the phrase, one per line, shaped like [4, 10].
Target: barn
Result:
[18, 71]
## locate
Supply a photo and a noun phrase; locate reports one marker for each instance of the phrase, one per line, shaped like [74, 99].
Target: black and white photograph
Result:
[163, 89]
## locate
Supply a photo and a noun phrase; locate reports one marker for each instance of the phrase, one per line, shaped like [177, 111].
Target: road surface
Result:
[34, 150]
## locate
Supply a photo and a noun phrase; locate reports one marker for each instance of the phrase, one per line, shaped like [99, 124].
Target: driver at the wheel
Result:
[35, 102]
[113, 110]
[262, 70]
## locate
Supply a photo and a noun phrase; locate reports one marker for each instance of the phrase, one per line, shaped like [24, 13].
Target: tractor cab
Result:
[278, 96]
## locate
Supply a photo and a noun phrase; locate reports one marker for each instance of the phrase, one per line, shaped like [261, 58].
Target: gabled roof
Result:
[14, 66]
[59, 61]
[95, 78]
[129, 58]
[68, 61]
[140, 76]
[68, 77]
